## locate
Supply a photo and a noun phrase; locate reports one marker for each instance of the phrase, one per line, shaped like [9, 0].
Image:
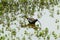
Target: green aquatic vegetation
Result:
[2, 30]
[29, 38]
[2, 37]
[51, 15]
[44, 33]
[41, 33]
[56, 21]
[13, 32]
[58, 12]
[26, 32]
[54, 34]
[23, 38]
[48, 37]
[58, 27]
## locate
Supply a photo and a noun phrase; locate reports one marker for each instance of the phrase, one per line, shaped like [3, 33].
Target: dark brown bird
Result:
[32, 23]
[30, 20]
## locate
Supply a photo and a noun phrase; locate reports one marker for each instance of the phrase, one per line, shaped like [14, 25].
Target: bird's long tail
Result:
[39, 22]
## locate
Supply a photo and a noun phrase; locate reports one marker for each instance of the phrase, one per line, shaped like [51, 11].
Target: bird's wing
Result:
[31, 19]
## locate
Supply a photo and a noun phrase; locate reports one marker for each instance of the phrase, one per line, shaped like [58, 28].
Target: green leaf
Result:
[48, 37]
[1, 13]
[23, 38]
[2, 38]
[23, 1]
[1, 5]
[13, 32]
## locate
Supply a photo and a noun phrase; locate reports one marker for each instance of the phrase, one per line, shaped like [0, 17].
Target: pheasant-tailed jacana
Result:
[31, 20]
